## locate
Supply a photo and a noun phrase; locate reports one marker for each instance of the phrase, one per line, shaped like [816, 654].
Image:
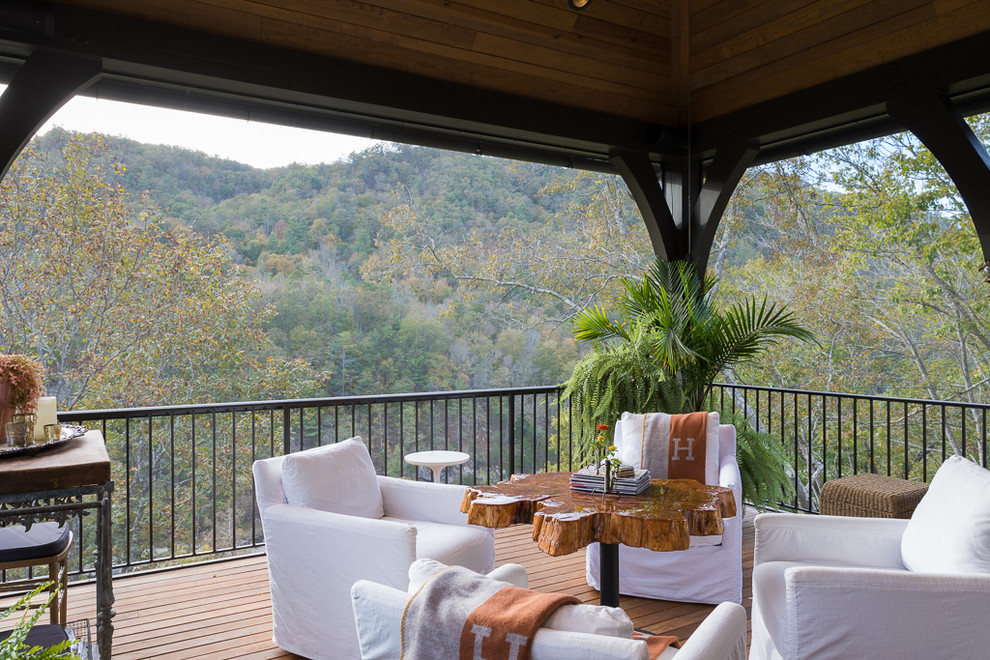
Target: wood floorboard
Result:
[222, 610]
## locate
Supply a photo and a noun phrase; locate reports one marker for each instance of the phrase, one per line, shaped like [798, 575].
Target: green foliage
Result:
[671, 342]
[613, 379]
[762, 464]
[692, 339]
[13, 648]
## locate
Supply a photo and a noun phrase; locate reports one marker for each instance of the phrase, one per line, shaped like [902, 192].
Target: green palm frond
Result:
[595, 324]
[671, 342]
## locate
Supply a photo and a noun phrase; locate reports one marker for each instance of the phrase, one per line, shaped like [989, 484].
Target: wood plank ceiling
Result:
[630, 74]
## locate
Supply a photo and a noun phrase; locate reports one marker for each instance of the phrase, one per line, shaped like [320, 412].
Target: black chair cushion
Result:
[44, 636]
[42, 540]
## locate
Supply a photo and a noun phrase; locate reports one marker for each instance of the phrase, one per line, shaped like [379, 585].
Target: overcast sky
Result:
[257, 144]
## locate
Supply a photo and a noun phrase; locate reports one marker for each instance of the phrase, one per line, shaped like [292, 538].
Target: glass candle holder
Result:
[53, 432]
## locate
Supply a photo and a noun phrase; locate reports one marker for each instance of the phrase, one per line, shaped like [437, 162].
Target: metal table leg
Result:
[608, 574]
[104, 577]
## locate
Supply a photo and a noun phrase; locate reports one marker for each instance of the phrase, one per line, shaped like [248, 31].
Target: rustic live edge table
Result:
[664, 518]
[61, 483]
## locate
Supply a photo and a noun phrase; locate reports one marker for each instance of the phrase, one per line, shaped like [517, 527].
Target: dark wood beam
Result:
[231, 75]
[724, 174]
[41, 86]
[682, 208]
[943, 130]
[820, 115]
[665, 229]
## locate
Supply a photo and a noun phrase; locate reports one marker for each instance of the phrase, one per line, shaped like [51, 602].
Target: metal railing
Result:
[184, 491]
[827, 435]
[183, 485]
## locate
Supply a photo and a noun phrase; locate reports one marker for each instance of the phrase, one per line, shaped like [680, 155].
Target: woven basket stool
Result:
[871, 496]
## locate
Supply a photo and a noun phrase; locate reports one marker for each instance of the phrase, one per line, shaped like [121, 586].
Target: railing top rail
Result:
[848, 395]
[281, 404]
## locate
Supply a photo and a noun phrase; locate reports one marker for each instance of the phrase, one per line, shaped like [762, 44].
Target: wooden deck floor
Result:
[222, 610]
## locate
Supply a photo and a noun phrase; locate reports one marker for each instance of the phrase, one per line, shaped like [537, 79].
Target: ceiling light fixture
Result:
[578, 5]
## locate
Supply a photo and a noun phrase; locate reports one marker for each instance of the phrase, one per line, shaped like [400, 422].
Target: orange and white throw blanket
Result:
[460, 614]
[669, 446]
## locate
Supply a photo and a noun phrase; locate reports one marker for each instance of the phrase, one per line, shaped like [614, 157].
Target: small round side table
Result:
[437, 460]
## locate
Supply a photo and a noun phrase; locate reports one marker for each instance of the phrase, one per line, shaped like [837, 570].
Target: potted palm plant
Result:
[664, 350]
[21, 383]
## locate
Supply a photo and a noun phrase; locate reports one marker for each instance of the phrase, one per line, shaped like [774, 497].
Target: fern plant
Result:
[762, 464]
[615, 378]
[664, 351]
[14, 648]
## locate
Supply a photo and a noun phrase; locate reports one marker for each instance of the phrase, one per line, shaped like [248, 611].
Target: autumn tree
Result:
[555, 267]
[123, 308]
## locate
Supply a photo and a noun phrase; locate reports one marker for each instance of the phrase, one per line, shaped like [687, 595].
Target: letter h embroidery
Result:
[678, 448]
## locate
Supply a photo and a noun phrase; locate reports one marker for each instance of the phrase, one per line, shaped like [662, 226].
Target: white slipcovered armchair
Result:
[710, 571]
[565, 636]
[329, 521]
[835, 587]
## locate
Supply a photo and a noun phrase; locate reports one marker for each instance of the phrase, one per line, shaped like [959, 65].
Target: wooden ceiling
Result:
[531, 78]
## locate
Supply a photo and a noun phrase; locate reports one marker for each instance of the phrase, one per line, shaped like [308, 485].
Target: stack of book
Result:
[629, 481]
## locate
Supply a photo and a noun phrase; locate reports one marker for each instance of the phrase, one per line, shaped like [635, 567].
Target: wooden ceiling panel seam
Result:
[628, 13]
[359, 15]
[808, 26]
[486, 21]
[448, 60]
[589, 68]
[491, 73]
[746, 90]
[732, 17]
[877, 33]
[426, 29]
[588, 26]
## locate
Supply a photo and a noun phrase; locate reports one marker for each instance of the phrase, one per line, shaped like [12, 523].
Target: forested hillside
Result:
[411, 269]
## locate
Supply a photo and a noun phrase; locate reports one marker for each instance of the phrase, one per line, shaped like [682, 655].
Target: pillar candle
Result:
[46, 415]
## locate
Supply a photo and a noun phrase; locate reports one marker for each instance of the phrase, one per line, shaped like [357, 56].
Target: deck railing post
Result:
[286, 431]
[512, 434]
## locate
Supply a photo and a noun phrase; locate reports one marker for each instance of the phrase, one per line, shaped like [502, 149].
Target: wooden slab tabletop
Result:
[81, 461]
[564, 521]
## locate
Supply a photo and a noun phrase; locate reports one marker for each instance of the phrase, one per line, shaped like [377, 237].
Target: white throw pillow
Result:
[340, 478]
[950, 529]
[629, 443]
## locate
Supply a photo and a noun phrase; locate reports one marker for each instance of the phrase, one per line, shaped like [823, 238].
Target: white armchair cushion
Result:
[950, 529]
[629, 440]
[340, 478]
[461, 545]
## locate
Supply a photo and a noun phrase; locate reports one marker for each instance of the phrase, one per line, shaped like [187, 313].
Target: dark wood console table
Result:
[59, 484]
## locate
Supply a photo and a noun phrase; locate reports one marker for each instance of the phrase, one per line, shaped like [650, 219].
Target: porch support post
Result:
[724, 174]
[950, 139]
[683, 206]
[39, 88]
[666, 231]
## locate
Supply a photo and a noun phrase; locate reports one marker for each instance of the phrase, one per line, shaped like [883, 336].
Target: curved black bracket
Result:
[41, 86]
[942, 129]
[682, 214]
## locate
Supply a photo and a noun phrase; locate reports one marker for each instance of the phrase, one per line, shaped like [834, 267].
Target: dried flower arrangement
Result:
[25, 377]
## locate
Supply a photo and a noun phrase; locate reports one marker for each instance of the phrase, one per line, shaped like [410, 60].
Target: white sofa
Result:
[314, 556]
[379, 609]
[829, 587]
[704, 573]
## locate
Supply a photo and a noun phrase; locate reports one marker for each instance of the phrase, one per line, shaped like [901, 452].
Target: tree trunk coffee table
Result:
[663, 518]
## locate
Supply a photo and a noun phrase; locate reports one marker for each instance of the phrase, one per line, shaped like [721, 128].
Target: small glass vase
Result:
[20, 430]
[609, 478]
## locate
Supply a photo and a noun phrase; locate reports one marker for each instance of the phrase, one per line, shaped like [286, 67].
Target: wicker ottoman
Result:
[871, 496]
